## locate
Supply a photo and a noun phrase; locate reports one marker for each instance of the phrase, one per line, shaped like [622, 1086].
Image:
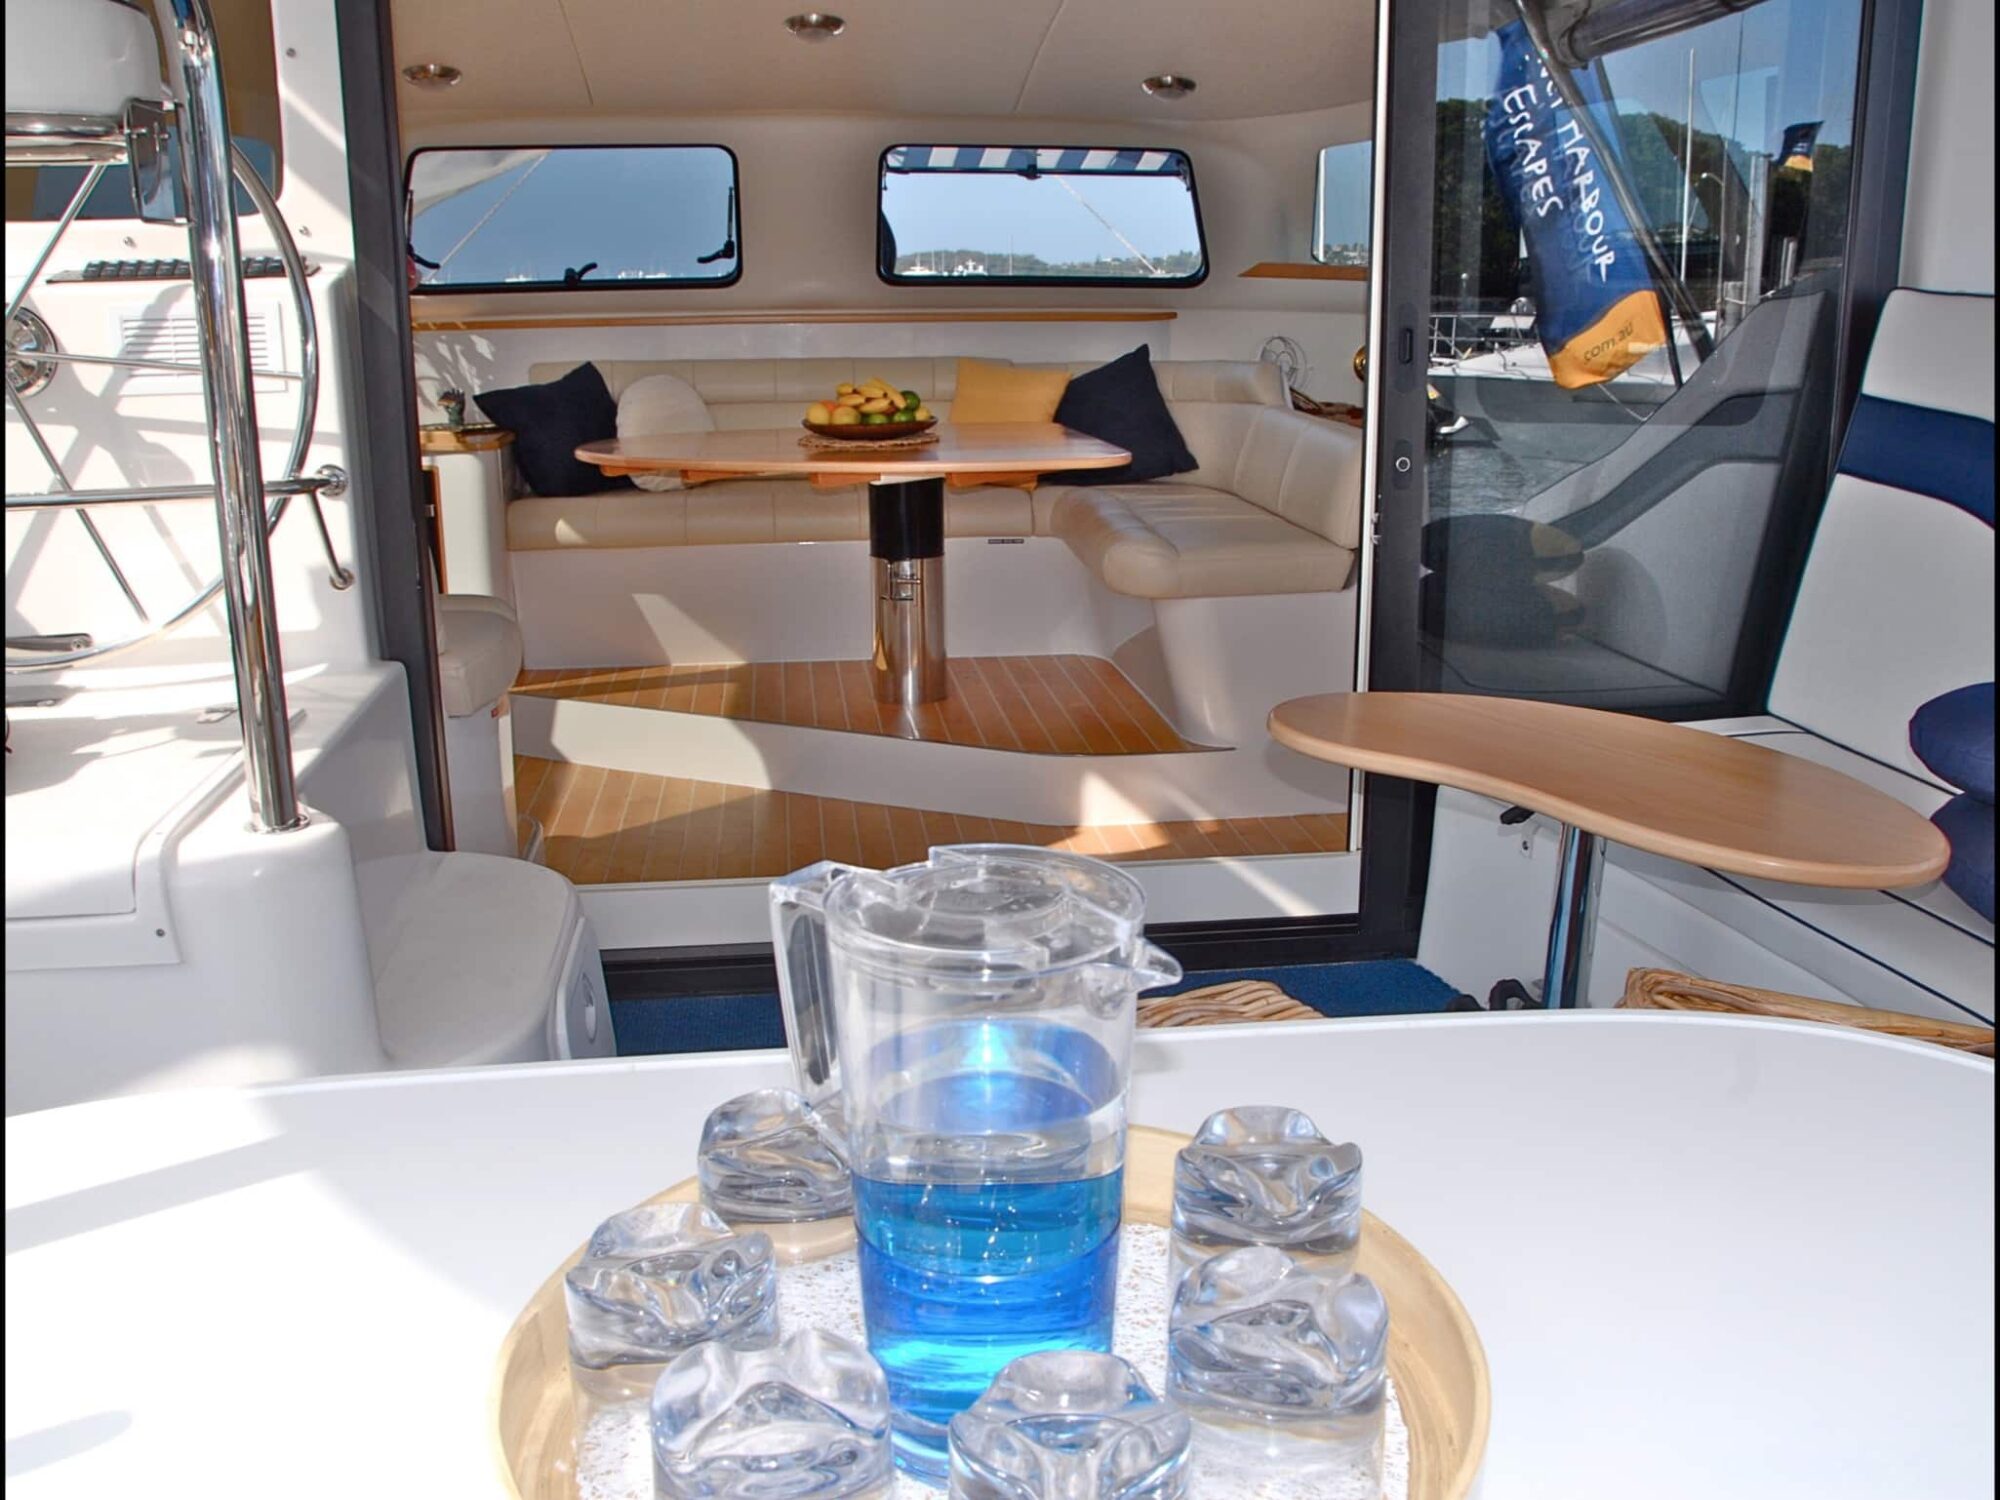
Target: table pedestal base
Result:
[906, 541]
[1573, 926]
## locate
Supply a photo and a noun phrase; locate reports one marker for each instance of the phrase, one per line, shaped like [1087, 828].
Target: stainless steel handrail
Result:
[330, 480]
[216, 266]
[50, 140]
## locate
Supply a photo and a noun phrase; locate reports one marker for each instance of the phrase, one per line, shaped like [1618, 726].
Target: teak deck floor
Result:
[1044, 705]
[616, 827]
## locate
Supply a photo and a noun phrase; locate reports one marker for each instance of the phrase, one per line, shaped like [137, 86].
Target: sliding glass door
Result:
[1616, 303]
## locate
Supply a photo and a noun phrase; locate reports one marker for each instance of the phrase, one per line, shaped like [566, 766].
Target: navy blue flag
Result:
[1797, 149]
[1596, 308]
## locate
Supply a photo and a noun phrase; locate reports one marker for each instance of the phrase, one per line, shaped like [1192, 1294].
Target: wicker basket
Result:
[1664, 989]
[1225, 1004]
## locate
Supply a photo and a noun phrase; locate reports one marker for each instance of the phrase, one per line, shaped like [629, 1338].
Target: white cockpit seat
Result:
[479, 652]
[1895, 609]
[473, 955]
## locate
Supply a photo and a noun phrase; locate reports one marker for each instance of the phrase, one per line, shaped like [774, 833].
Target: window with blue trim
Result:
[1039, 216]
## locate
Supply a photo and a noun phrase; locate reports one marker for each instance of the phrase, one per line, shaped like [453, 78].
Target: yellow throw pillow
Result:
[1006, 393]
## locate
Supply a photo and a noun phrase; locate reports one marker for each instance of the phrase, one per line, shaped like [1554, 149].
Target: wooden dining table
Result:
[1665, 788]
[906, 489]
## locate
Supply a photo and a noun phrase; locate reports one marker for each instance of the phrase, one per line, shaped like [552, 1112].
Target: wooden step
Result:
[617, 827]
[1042, 705]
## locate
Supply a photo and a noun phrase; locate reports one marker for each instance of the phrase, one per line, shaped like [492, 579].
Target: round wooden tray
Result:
[1434, 1354]
[860, 432]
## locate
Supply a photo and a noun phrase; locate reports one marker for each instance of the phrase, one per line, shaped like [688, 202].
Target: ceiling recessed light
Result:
[432, 75]
[1168, 85]
[815, 26]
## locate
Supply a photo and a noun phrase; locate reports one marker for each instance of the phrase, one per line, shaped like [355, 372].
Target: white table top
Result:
[1709, 1257]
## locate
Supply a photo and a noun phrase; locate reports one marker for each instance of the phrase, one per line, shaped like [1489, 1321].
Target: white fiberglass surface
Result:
[1650, 1219]
[91, 776]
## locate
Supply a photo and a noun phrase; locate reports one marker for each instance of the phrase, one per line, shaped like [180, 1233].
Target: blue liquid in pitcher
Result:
[958, 1278]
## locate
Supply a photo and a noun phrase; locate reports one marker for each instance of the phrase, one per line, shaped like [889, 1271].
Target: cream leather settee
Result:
[1274, 507]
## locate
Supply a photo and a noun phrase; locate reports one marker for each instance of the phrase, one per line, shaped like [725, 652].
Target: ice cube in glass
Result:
[769, 1157]
[1069, 1423]
[805, 1419]
[1265, 1175]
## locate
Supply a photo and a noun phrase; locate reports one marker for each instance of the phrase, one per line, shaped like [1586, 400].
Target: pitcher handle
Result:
[805, 975]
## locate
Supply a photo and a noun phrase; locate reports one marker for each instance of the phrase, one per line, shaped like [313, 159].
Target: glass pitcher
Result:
[971, 1019]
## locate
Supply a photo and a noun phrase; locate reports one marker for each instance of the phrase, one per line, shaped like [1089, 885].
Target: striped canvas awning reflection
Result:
[1103, 160]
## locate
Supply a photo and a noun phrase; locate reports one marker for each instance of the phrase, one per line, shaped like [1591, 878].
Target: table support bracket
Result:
[1573, 926]
[906, 543]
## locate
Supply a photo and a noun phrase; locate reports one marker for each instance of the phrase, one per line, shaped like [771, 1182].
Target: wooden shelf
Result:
[698, 320]
[434, 440]
[1297, 270]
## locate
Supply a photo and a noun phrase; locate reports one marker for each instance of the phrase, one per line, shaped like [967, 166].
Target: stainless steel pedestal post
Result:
[1573, 927]
[906, 544]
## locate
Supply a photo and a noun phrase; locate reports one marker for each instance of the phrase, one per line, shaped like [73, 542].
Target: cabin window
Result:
[575, 218]
[1039, 216]
[1343, 195]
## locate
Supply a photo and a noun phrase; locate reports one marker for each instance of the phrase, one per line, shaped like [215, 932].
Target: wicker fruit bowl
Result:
[862, 432]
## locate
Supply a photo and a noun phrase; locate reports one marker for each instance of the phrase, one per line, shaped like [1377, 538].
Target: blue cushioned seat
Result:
[1953, 735]
[1968, 823]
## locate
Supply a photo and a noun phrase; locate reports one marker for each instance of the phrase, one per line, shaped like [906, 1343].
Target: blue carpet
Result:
[736, 1023]
[1367, 987]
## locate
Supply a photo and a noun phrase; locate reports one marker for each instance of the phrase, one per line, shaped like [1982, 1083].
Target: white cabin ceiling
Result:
[1051, 59]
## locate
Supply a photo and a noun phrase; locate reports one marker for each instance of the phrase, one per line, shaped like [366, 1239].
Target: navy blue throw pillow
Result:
[1121, 403]
[549, 421]
[1968, 824]
[1953, 735]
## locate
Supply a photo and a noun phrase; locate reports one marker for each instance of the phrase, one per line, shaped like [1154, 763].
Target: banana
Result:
[879, 404]
[852, 398]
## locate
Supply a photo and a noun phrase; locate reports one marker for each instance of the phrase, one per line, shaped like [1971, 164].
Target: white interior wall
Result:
[808, 218]
[1948, 211]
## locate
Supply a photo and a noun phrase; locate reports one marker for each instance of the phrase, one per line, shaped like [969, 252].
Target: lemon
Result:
[845, 416]
[819, 414]
[922, 414]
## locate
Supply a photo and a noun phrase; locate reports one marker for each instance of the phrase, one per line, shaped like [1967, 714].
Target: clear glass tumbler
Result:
[974, 1014]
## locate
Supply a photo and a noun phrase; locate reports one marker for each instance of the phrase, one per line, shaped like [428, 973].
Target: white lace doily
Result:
[613, 1461]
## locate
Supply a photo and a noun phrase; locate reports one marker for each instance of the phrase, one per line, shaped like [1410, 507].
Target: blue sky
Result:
[998, 211]
[671, 207]
[1805, 49]
[1349, 192]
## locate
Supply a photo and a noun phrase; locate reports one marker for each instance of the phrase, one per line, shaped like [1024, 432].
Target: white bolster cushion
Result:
[661, 403]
